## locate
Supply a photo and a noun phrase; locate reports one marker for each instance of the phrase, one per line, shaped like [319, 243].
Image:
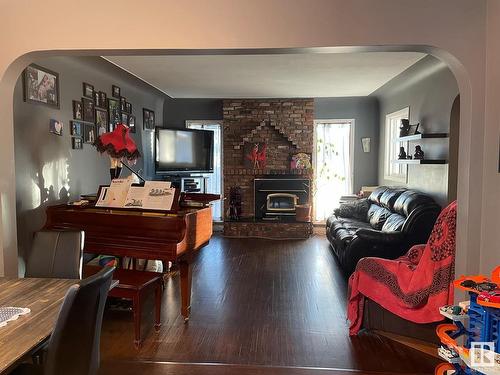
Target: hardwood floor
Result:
[258, 307]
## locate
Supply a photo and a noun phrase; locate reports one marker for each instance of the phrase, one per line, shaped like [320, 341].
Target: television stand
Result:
[188, 183]
[194, 184]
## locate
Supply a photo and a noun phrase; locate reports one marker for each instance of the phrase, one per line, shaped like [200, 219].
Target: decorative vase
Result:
[303, 213]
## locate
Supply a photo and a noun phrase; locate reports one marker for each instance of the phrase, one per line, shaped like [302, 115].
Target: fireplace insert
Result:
[281, 202]
[276, 198]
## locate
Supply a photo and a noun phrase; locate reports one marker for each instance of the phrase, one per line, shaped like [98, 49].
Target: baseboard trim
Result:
[292, 370]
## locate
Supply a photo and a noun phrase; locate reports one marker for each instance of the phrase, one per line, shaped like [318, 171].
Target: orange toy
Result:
[442, 332]
[442, 368]
[495, 275]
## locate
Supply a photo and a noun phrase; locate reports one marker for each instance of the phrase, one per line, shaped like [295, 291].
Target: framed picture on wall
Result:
[77, 110]
[123, 104]
[102, 99]
[113, 112]
[115, 91]
[88, 90]
[101, 121]
[88, 110]
[89, 134]
[56, 127]
[131, 123]
[124, 120]
[76, 128]
[41, 86]
[96, 98]
[128, 107]
[77, 143]
[148, 119]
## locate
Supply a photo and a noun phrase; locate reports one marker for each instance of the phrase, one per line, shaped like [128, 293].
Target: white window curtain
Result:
[214, 183]
[332, 165]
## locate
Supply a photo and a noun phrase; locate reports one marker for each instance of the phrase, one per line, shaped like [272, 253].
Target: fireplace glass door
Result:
[281, 202]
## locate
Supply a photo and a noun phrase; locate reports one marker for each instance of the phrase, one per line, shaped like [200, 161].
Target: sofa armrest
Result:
[373, 243]
[379, 236]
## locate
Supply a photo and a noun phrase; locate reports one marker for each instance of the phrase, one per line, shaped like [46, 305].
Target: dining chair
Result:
[56, 254]
[73, 348]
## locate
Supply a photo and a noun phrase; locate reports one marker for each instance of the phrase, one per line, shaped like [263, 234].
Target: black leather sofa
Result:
[396, 219]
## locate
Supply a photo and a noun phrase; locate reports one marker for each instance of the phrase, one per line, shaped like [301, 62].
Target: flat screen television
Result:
[186, 150]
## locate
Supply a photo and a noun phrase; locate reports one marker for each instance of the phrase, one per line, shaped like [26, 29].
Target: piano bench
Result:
[135, 285]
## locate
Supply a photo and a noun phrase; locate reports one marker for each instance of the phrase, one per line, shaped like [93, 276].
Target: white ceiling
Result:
[268, 76]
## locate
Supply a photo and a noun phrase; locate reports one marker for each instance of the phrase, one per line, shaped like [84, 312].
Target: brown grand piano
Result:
[166, 236]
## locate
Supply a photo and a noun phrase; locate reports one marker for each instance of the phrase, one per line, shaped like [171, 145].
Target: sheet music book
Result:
[114, 195]
[154, 195]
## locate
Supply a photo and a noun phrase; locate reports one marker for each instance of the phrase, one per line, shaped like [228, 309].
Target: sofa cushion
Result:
[394, 223]
[409, 200]
[376, 194]
[345, 223]
[356, 209]
[389, 197]
[377, 216]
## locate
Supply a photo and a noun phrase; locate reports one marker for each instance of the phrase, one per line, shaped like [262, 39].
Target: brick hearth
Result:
[286, 126]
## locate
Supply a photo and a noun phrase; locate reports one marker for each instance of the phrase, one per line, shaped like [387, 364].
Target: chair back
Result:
[56, 254]
[74, 348]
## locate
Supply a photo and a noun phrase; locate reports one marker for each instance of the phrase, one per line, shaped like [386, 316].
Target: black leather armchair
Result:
[396, 220]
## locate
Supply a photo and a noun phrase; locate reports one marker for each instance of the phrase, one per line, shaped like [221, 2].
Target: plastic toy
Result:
[476, 320]
[491, 297]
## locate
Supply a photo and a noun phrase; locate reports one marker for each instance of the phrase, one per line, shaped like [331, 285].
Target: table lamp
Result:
[119, 146]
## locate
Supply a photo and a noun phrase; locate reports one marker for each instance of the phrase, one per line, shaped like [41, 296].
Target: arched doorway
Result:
[463, 260]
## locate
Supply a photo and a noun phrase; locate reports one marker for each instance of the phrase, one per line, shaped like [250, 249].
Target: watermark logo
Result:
[482, 354]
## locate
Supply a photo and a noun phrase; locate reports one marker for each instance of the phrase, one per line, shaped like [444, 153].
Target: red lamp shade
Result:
[118, 144]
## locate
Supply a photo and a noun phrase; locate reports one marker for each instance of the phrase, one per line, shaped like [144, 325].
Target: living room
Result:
[316, 162]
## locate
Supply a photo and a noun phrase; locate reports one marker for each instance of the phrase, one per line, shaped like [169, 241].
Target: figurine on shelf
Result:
[402, 153]
[419, 154]
[235, 203]
[404, 127]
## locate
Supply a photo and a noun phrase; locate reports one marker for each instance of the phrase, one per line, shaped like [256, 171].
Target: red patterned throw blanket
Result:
[413, 286]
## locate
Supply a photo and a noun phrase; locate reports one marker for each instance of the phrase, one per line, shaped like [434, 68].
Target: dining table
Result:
[21, 337]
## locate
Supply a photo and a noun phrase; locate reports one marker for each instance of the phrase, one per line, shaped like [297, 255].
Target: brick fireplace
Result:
[286, 127]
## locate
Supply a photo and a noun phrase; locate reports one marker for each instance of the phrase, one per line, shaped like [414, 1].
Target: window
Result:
[214, 183]
[394, 171]
[332, 165]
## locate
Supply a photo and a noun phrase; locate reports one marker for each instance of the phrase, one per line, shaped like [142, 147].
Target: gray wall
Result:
[363, 109]
[48, 171]
[429, 89]
[177, 111]
[365, 112]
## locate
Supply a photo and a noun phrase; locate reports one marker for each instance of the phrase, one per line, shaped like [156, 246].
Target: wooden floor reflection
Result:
[258, 307]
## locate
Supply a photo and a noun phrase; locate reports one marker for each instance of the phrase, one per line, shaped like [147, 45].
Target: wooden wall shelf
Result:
[416, 137]
[421, 161]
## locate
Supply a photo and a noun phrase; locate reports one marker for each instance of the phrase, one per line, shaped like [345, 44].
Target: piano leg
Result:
[185, 270]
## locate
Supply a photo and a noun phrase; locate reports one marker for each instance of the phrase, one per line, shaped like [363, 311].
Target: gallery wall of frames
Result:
[96, 112]
[61, 104]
